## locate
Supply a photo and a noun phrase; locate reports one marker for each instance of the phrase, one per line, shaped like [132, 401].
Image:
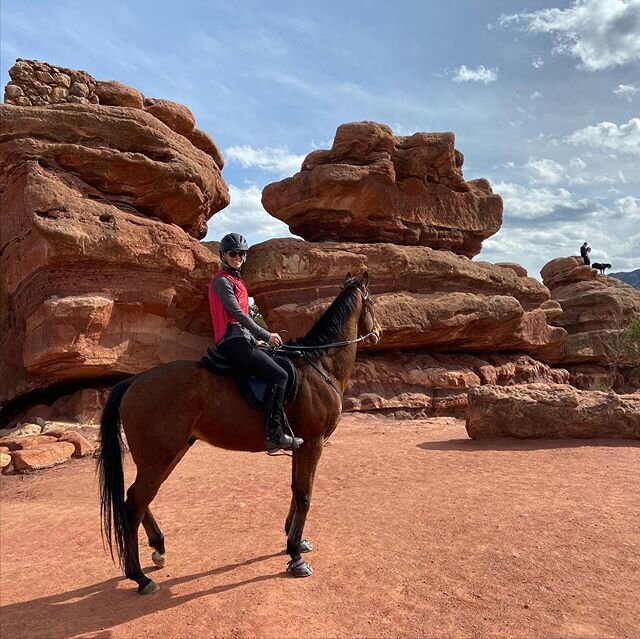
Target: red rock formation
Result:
[111, 93]
[44, 456]
[102, 271]
[122, 156]
[373, 186]
[544, 410]
[176, 116]
[422, 384]
[424, 298]
[431, 304]
[595, 310]
[36, 83]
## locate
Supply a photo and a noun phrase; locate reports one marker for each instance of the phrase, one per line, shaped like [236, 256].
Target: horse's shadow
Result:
[99, 607]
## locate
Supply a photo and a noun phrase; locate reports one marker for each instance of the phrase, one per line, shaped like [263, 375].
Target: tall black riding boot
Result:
[276, 419]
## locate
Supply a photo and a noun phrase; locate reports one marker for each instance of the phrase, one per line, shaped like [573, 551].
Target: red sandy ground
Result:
[419, 532]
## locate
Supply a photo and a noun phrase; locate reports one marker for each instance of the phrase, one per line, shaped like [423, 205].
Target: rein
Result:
[290, 348]
[298, 351]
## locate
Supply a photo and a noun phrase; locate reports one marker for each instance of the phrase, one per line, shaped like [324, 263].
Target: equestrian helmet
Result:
[233, 242]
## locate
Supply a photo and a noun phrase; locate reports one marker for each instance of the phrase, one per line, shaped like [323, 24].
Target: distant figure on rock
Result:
[585, 249]
[601, 267]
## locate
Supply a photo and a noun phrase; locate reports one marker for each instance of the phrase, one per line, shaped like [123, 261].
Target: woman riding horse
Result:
[164, 410]
[235, 334]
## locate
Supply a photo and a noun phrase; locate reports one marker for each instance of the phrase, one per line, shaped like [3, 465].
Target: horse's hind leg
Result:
[307, 462]
[154, 534]
[156, 539]
[139, 496]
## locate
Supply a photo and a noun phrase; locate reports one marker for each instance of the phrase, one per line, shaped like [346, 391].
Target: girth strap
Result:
[323, 373]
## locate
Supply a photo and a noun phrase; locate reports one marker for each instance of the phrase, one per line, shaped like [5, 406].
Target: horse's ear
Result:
[364, 279]
[348, 278]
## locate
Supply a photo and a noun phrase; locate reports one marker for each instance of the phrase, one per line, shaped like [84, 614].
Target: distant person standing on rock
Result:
[585, 249]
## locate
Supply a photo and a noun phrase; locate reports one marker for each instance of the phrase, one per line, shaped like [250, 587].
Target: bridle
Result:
[368, 304]
[299, 351]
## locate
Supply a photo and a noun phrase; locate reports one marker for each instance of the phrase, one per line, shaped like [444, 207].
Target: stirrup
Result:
[284, 442]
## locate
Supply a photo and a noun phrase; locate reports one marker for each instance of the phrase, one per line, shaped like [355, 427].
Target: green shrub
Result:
[631, 340]
[599, 384]
[256, 315]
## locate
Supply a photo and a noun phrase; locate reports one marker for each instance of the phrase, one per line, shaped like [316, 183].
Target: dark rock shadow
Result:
[514, 444]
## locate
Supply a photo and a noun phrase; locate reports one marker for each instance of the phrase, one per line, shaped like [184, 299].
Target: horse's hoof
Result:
[150, 588]
[299, 568]
[305, 546]
[159, 559]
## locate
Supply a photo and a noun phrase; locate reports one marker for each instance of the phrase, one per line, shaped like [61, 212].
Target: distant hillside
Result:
[630, 277]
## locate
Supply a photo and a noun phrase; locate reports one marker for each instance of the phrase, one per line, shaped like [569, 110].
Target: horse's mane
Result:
[327, 328]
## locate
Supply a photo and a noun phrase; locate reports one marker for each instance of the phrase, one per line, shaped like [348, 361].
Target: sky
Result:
[543, 96]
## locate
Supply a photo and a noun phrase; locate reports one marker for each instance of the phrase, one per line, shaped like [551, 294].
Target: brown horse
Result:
[166, 409]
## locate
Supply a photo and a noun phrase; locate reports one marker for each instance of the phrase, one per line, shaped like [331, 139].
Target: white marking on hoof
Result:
[150, 588]
[159, 559]
[305, 546]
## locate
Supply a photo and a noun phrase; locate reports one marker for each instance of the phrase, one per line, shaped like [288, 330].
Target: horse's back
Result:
[182, 400]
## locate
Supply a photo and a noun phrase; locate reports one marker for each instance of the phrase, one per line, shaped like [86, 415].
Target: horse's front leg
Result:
[305, 544]
[306, 462]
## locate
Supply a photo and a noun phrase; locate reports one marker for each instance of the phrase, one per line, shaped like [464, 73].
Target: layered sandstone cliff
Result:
[425, 299]
[103, 201]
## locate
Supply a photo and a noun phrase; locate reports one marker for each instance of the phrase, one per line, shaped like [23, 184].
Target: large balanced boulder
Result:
[554, 411]
[373, 186]
[424, 298]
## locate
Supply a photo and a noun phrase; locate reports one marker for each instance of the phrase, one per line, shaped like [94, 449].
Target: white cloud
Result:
[274, 159]
[607, 135]
[246, 215]
[535, 95]
[629, 206]
[537, 63]
[529, 204]
[481, 74]
[600, 33]
[577, 163]
[626, 91]
[545, 171]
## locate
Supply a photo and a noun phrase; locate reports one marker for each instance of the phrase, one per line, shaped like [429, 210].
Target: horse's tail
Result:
[113, 514]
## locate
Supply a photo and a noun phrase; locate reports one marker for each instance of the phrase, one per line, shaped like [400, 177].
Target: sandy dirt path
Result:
[419, 532]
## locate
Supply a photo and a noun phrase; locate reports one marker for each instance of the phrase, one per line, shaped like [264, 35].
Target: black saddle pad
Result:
[252, 388]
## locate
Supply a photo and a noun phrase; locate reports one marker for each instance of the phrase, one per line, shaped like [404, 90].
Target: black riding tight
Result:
[253, 361]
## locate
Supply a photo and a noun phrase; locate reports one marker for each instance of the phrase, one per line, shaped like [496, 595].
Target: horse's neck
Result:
[339, 362]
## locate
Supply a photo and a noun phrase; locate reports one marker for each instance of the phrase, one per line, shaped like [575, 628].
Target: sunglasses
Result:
[235, 254]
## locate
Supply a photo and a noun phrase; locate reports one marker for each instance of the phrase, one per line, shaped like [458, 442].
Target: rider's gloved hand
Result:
[275, 340]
